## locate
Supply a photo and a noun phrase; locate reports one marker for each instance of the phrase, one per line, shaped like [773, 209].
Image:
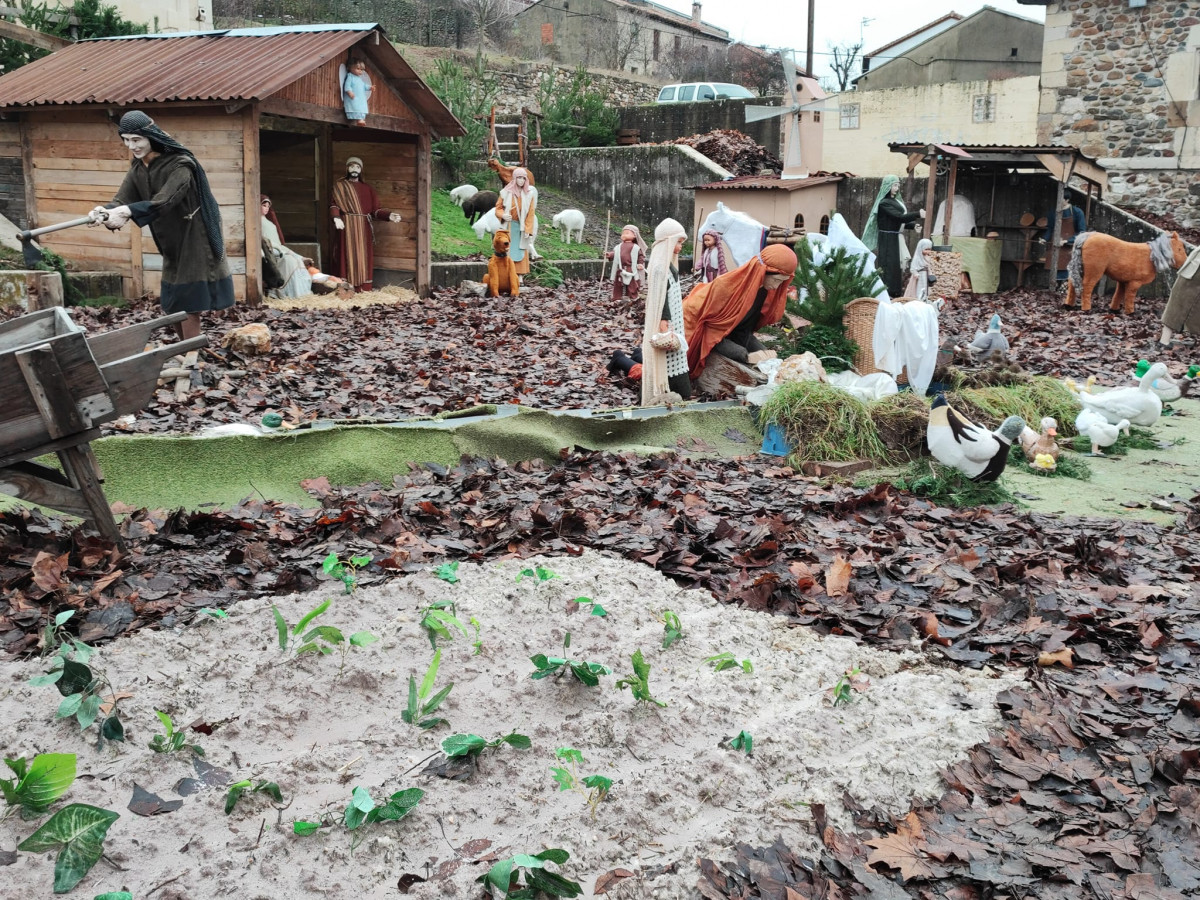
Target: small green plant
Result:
[587, 672]
[473, 744]
[421, 705]
[543, 273]
[843, 690]
[437, 622]
[290, 638]
[538, 572]
[723, 661]
[114, 895]
[77, 832]
[597, 786]
[363, 811]
[476, 644]
[672, 630]
[81, 689]
[35, 786]
[448, 572]
[743, 740]
[213, 613]
[238, 788]
[53, 635]
[345, 571]
[594, 608]
[325, 639]
[171, 741]
[639, 682]
[506, 876]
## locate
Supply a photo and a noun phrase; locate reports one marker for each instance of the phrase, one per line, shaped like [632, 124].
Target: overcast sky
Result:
[784, 23]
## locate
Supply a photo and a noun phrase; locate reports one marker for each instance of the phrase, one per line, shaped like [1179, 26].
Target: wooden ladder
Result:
[516, 136]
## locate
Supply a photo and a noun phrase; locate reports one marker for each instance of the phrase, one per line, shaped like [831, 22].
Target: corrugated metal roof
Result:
[769, 183]
[219, 66]
[1015, 149]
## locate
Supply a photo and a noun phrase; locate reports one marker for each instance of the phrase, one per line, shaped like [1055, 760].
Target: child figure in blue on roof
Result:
[356, 89]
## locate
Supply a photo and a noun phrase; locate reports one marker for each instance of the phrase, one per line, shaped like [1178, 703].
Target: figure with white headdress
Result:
[355, 206]
[516, 208]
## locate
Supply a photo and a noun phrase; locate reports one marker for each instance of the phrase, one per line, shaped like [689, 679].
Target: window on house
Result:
[984, 109]
[849, 115]
[1014, 52]
[824, 224]
[798, 222]
[657, 35]
[816, 117]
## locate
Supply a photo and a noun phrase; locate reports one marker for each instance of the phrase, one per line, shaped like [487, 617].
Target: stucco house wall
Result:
[167, 15]
[1123, 85]
[859, 125]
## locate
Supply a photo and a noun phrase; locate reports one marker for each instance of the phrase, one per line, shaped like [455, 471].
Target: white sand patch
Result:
[676, 793]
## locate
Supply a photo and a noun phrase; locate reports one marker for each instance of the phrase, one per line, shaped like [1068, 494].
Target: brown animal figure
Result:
[501, 277]
[1127, 264]
[505, 172]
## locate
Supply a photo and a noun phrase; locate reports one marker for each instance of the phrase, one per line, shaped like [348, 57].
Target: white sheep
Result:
[462, 192]
[486, 224]
[570, 221]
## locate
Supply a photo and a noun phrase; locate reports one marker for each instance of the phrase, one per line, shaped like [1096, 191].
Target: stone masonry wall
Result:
[1122, 85]
[519, 86]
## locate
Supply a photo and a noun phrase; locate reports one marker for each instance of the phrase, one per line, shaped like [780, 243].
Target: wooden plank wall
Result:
[78, 161]
[321, 86]
[289, 177]
[389, 166]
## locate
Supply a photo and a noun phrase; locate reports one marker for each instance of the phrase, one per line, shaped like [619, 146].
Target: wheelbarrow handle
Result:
[26, 236]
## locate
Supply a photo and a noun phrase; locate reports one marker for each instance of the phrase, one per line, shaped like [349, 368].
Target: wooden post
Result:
[930, 191]
[1056, 234]
[324, 193]
[424, 208]
[251, 189]
[949, 200]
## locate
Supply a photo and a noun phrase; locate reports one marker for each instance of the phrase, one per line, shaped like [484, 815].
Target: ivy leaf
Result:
[463, 744]
[77, 832]
[305, 828]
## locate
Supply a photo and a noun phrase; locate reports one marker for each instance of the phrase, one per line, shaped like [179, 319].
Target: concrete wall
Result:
[667, 121]
[599, 33]
[936, 112]
[644, 184]
[980, 48]
[1123, 85]
[771, 207]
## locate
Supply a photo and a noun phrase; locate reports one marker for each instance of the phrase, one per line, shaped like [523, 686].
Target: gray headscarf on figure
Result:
[137, 122]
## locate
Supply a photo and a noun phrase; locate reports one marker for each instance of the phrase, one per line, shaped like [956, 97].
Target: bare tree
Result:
[615, 43]
[486, 15]
[845, 63]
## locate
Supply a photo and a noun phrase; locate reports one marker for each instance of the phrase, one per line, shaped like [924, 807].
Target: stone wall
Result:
[667, 121]
[520, 86]
[1122, 85]
[643, 184]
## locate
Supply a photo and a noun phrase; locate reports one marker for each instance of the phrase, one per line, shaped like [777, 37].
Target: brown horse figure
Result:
[1129, 265]
[505, 172]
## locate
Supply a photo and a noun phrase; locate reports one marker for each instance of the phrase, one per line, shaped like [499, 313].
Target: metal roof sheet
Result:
[219, 66]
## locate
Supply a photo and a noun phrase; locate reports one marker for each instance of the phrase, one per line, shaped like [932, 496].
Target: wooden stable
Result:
[272, 123]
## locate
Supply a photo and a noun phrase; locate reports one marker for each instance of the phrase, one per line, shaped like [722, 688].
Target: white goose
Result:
[954, 441]
[1167, 388]
[1139, 405]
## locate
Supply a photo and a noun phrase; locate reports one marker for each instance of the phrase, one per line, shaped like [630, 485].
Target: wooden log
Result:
[723, 375]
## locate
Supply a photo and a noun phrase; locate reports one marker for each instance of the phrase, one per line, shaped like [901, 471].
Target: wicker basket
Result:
[859, 321]
[947, 266]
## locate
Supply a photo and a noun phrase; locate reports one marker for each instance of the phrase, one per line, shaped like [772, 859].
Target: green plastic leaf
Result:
[326, 633]
[414, 708]
[360, 805]
[77, 832]
[743, 740]
[570, 754]
[48, 678]
[554, 855]
[552, 884]
[359, 561]
[517, 741]
[436, 700]
[598, 782]
[306, 648]
[305, 828]
[463, 744]
[280, 627]
[76, 678]
[447, 572]
[598, 610]
[400, 804]
[564, 778]
[63, 616]
[433, 723]
[308, 617]
[363, 638]
[115, 895]
[47, 779]
[82, 651]
[69, 706]
[166, 720]
[214, 613]
[88, 710]
[112, 729]
[544, 574]
[234, 795]
[498, 876]
[430, 675]
[330, 564]
[271, 789]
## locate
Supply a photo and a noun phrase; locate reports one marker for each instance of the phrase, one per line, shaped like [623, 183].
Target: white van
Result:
[703, 90]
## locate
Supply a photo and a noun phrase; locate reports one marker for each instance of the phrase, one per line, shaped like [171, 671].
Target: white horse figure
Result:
[744, 236]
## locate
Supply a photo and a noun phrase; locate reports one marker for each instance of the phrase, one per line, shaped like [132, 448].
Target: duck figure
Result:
[993, 341]
[1097, 429]
[1167, 388]
[960, 444]
[1140, 405]
[1044, 444]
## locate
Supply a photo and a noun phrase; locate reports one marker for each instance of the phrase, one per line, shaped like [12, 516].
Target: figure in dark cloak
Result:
[884, 233]
[166, 188]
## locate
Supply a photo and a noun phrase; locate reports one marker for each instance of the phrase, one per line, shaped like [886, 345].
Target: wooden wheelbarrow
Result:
[59, 385]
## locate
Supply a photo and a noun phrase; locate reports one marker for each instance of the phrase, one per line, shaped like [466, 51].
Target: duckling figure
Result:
[1044, 462]
[1097, 430]
[957, 442]
[1044, 444]
[1073, 386]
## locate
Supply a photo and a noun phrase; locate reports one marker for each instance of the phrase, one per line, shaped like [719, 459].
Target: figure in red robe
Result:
[354, 205]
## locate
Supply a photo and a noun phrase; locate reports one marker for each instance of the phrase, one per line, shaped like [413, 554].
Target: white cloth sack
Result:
[866, 388]
[906, 335]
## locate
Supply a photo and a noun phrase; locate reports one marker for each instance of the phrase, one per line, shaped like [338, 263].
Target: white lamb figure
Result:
[486, 224]
[462, 192]
[570, 221]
